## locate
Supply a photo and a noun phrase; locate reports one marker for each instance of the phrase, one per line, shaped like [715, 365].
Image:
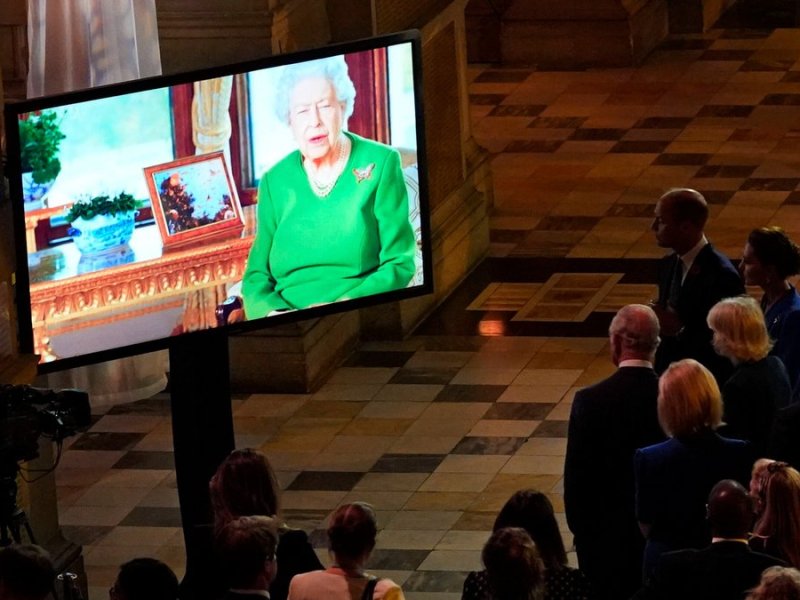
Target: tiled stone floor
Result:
[438, 430]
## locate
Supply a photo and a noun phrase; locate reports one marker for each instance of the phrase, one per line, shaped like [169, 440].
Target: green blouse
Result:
[355, 242]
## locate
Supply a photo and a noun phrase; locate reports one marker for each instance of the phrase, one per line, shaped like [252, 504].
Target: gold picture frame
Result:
[194, 198]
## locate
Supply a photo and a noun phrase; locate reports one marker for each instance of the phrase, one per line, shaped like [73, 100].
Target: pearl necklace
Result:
[342, 154]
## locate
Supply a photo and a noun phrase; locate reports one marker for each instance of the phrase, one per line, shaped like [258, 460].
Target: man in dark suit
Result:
[691, 280]
[247, 548]
[727, 568]
[609, 421]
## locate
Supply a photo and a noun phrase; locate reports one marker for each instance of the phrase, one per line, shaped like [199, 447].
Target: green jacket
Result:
[355, 242]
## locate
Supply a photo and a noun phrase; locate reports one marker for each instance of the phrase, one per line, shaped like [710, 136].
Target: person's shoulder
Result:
[710, 253]
[567, 580]
[676, 558]
[288, 165]
[617, 386]
[386, 589]
[366, 146]
[289, 536]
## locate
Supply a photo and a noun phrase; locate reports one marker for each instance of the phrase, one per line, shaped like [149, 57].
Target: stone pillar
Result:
[569, 34]
[695, 16]
[195, 34]
[459, 178]
[299, 24]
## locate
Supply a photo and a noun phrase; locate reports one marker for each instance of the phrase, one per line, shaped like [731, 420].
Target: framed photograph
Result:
[193, 198]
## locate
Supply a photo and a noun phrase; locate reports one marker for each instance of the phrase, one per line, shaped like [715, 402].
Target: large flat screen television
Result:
[234, 197]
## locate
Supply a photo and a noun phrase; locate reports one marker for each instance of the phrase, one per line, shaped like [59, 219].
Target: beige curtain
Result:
[211, 132]
[76, 44]
[211, 120]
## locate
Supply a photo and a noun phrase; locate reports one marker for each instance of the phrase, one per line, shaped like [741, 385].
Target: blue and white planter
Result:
[102, 232]
[34, 194]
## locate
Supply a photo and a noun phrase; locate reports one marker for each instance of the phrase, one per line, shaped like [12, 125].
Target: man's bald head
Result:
[634, 333]
[686, 204]
[680, 217]
[730, 510]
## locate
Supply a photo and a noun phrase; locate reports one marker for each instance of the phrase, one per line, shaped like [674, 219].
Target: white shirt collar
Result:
[635, 362]
[688, 258]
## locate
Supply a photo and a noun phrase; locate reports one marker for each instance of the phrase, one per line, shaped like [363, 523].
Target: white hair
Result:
[333, 68]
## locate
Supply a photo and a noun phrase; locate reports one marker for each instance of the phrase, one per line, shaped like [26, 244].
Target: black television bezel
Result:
[22, 292]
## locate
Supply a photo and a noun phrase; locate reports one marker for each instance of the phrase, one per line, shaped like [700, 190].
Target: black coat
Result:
[711, 278]
[608, 422]
[722, 571]
[752, 395]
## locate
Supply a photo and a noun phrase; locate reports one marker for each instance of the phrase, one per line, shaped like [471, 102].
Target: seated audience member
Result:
[759, 385]
[351, 538]
[777, 530]
[758, 481]
[768, 260]
[777, 583]
[246, 547]
[144, 579]
[674, 478]
[533, 512]
[26, 573]
[513, 566]
[727, 568]
[784, 439]
[245, 485]
[617, 415]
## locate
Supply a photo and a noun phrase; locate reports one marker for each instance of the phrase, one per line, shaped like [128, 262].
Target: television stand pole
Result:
[202, 431]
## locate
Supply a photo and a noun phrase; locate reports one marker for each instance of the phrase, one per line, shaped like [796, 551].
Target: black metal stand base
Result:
[202, 429]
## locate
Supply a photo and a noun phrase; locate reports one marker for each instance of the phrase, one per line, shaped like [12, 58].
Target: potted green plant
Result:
[40, 139]
[102, 222]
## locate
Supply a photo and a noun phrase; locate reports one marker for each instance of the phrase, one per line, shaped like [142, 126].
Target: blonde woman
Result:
[759, 384]
[777, 583]
[674, 478]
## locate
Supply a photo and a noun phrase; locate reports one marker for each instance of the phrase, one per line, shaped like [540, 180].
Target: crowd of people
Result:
[680, 479]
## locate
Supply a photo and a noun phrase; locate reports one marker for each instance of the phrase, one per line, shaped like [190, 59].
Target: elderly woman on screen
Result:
[333, 218]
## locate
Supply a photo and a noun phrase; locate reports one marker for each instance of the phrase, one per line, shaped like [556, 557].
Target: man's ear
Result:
[271, 569]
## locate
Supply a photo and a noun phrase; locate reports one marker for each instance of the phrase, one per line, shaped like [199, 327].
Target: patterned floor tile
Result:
[325, 480]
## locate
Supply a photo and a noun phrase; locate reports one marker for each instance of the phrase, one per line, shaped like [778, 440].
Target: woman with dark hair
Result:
[777, 530]
[351, 537]
[245, 485]
[513, 566]
[533, 512]
[768, 260]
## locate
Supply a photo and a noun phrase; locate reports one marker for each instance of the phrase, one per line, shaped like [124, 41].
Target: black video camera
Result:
[27, 412]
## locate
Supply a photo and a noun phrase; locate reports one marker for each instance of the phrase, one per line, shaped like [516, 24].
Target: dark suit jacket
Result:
[752, 395]
[784, 441]
[673, 480]
[783, 324]
[711, 278]
[608, 422]
[722, 571]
